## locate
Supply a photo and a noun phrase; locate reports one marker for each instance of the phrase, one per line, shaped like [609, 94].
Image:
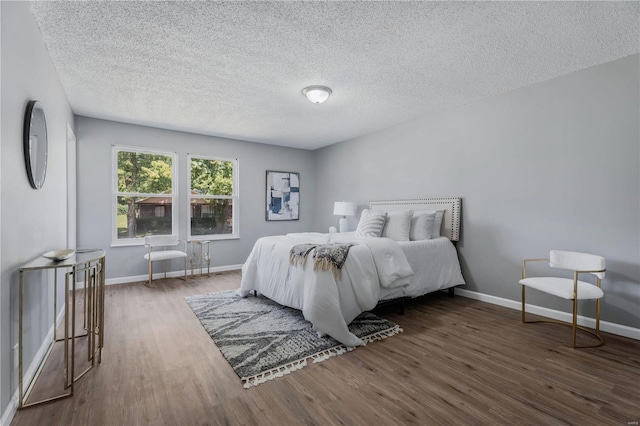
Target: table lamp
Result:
[344, 209]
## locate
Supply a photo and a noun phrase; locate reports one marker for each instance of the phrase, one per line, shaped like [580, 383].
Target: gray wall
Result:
[95, 139]
[553, 165]
[32, 221]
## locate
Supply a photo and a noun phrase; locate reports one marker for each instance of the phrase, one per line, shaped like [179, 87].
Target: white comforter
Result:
[330, 304]
[435, 266]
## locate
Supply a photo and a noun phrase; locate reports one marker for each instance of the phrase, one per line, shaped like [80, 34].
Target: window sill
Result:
[128, 244]
[212, 238]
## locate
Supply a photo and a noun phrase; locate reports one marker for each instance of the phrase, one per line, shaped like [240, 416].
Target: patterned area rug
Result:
[263, 340]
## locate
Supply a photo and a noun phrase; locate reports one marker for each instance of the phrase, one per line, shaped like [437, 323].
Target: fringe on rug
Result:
[274, 373]
[382, 335]
[289, 368]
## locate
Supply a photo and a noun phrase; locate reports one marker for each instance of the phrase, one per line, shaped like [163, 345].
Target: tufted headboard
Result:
[450, 221]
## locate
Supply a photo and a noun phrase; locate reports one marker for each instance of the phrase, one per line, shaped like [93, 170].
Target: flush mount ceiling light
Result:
[317, 94]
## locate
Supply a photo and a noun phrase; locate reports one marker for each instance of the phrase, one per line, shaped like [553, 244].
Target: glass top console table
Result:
[85, 264]
[200, 256]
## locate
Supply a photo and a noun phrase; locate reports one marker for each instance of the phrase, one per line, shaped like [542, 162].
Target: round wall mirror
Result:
[35, 144]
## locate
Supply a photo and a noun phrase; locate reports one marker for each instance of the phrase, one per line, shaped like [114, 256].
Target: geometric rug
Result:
[263, 340]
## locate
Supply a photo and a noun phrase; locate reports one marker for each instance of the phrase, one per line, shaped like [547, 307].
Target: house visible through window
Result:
[144, 195]
[213, 198]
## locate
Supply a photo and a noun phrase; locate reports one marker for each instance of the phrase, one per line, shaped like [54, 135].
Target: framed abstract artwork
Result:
[283, 195]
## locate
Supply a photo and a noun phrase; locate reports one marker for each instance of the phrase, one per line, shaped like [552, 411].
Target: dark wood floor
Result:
[458, 361]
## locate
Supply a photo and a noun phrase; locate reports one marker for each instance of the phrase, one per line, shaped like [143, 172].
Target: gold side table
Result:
[91, 264]
[200, 257]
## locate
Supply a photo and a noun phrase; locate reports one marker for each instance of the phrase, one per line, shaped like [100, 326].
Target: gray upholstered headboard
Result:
[450, 221]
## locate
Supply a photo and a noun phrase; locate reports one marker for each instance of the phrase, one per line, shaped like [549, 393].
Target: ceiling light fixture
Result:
[317, 94]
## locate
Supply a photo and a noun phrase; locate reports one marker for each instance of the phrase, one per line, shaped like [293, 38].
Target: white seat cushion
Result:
[165, 254]
[563, 287]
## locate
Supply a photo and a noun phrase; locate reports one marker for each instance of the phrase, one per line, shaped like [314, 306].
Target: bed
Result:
[376, 269]
[434, 261]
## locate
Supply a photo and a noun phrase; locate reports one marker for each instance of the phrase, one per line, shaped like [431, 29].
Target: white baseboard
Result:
[159, 275]
[10, 411]
[609, 327]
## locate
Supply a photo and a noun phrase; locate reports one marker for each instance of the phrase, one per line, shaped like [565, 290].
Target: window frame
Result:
[234, 197]
[115, 241]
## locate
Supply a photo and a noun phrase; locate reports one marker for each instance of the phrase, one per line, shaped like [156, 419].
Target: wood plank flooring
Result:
[458, 361]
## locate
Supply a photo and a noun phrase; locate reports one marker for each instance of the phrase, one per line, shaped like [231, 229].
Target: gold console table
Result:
[86, 263]
[200, 257]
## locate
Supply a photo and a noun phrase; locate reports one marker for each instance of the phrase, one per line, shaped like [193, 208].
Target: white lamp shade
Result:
[344, 208]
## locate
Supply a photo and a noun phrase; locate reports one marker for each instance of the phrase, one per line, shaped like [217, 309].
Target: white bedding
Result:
[435, 266]
[330, 304]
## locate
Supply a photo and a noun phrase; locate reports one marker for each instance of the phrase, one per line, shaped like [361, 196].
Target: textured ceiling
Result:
[236, 69]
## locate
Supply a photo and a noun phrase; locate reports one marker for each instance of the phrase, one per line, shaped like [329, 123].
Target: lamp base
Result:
[344, 225]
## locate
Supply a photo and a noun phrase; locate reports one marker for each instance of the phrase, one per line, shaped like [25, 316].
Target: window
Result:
[213, 198]
[144, 185]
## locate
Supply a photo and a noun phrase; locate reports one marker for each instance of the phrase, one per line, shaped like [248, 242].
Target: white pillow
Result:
[437, 223]
[398, 225]
[422, 226]
[371, 223]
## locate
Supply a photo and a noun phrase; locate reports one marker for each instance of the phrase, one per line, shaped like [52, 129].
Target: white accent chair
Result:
[567, 288]
[163, 241]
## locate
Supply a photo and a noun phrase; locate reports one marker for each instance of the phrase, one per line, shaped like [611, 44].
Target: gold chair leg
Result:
[523, 291]
[148, 283]
[574, 324]
[575, 320]
[598, 317]
[595, 333]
